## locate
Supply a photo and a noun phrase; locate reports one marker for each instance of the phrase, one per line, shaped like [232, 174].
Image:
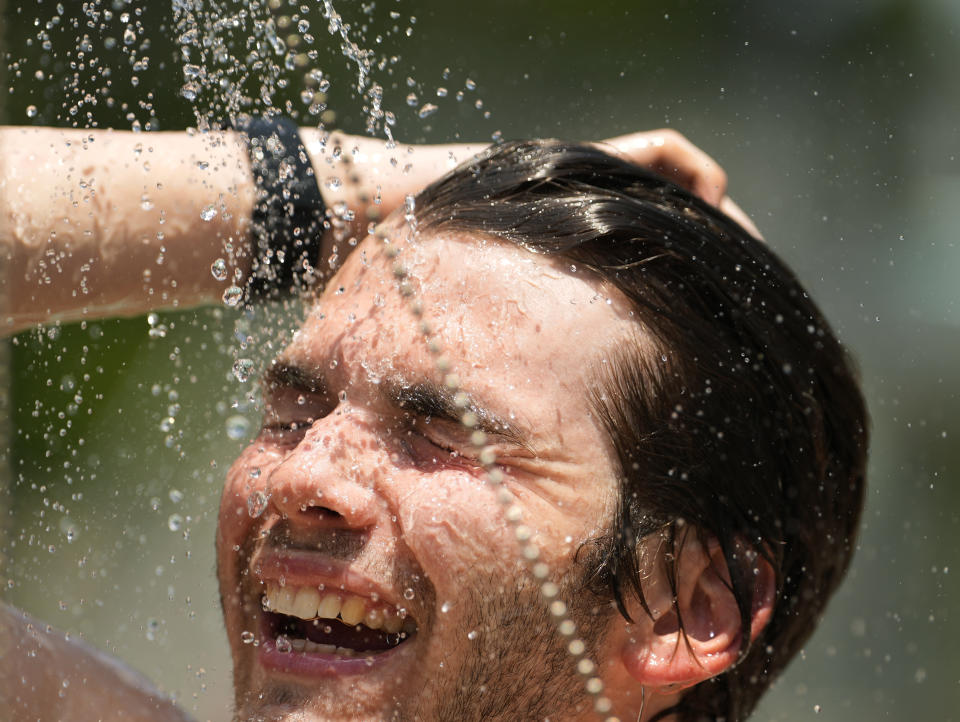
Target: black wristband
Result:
[288, 215]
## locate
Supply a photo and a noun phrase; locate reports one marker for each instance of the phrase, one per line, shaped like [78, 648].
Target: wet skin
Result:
[373, 492]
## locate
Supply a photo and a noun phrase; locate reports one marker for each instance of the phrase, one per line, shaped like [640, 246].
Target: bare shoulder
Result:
[44, 675]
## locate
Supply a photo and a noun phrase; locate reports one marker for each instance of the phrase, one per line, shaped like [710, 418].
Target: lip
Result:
[306, 568]
[310, 569]
[316, 664]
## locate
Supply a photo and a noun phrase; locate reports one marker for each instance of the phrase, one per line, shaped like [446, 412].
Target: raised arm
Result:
[100, 223]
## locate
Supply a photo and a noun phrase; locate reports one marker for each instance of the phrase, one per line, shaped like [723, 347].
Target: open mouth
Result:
[305, 620]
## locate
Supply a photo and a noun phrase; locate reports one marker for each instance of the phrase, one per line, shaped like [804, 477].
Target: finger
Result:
[737, 214]
[671, 154]
[682, 158]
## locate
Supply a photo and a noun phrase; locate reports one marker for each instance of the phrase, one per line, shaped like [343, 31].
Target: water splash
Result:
[242, 369]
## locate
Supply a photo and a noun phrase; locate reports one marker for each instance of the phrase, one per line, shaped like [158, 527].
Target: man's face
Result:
[364, 497]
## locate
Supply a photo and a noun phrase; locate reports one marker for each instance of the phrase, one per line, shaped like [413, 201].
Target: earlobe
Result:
[700, 636]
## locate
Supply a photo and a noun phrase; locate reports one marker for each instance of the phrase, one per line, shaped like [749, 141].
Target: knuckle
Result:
[672, 137]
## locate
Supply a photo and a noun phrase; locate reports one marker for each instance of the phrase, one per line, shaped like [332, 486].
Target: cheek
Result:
[454, 526]
[563, 517]
[244, 494]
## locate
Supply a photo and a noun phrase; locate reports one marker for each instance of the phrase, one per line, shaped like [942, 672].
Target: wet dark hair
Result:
[743, 419]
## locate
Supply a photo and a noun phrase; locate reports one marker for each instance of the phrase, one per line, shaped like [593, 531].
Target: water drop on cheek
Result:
[256, 504]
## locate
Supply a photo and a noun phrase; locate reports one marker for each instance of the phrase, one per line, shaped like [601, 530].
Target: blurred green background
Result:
[837, 123]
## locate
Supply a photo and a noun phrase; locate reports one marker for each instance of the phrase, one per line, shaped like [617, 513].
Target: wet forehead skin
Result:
[522, 333]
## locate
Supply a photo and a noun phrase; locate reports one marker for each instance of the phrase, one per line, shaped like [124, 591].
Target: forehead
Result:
[524, 331]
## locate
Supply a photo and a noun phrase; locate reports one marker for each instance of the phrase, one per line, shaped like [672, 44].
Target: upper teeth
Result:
[310, 603]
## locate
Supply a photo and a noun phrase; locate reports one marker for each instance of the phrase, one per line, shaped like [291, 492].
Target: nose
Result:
[329, 478]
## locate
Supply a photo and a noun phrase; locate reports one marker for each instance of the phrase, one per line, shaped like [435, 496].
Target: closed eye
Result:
[450, 443]
[291, 409]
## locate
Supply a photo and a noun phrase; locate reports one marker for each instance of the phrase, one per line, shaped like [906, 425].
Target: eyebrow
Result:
[426, 399]
[429, 399]
[281, 374]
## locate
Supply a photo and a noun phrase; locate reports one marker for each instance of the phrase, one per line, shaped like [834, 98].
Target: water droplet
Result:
[472, 634]
[175, 522]
[445, 607]
[412, 99]
[176, 496]
[31, 111]
[152, 627]
[246, 637]
[233, 296]
[237, 427]
[218, 269]
[256, 504]
[342, 395]
[69, 529]
[470, 85]
[283, 644]
[129, 37]
[208, 213]
[408, 594]
[427, 109]
[242, 368]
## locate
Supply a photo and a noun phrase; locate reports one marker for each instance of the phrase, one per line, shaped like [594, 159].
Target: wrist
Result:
[288, 221]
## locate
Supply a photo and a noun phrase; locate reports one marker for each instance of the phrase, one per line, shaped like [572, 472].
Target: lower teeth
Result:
[286, 645]
[325, 637]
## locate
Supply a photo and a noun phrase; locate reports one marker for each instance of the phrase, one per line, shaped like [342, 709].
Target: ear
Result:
[665, 658]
